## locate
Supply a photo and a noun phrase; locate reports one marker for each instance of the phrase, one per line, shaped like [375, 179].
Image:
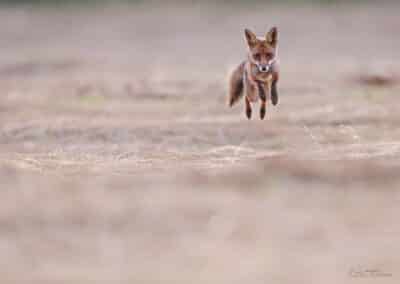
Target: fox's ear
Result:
[272, 36]
[250, 37]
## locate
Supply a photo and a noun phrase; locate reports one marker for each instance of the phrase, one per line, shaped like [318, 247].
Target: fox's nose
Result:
[264, 68]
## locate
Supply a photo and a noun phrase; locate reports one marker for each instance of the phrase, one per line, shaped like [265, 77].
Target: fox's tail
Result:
[236, 85]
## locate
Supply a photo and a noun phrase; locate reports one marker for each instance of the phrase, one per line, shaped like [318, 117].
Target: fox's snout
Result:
[263, 68]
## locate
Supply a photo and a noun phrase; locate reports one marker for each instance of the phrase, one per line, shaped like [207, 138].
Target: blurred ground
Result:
[121, 163]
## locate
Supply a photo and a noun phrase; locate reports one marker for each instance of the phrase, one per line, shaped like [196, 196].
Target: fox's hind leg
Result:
[248, 108]
[274, 89]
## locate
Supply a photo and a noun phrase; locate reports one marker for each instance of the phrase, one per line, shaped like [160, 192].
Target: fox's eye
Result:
[257, 56]
[270, 55]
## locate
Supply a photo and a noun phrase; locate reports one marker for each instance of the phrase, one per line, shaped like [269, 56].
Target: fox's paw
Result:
[248, 113]
[274, 96]
[262, 112]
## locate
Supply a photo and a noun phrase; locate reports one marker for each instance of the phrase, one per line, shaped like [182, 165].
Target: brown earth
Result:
[120, 161]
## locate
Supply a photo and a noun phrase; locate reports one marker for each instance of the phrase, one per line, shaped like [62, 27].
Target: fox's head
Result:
[262, 51]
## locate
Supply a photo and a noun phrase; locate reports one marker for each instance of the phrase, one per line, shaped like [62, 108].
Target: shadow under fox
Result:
[258, 76]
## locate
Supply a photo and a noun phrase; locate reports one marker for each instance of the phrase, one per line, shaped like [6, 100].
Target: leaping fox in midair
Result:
[259, 74]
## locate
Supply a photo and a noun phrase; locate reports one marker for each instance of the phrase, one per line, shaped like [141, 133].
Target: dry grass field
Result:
[120, 161]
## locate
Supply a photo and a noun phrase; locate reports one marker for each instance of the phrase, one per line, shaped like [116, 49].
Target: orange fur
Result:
[257, 77]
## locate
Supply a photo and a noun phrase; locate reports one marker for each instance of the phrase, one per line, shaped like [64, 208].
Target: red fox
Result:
[258, 75]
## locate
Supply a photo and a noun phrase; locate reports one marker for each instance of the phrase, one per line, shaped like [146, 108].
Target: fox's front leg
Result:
[262, 91]
[274, 89]
[251, 94]
[248, 108]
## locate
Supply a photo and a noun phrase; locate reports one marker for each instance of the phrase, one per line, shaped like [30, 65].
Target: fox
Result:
[258, 75]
